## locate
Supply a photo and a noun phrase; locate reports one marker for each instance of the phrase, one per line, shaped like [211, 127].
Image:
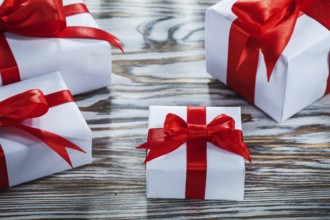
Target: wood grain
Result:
[164, 64]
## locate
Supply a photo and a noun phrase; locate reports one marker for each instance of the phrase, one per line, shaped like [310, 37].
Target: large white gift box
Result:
[166, 176]
[26, 157]
[85, 64]
[300, 75]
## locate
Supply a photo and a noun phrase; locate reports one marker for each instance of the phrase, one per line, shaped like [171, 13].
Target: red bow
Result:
[47, 18]
[32, 18]
[32, 104]
[221, 132]
[270, 24]
[265, 25]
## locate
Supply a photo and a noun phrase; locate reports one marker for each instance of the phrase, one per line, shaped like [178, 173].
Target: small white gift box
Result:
[26, 157]
[166, 176]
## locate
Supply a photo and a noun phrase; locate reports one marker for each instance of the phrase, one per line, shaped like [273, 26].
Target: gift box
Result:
[41, 130]
[67, 39]
[195, 153]
[277, 61]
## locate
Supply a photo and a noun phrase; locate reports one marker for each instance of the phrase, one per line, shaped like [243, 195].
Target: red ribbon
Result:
[265, 25]
[33, 104]
[40, 18]
[195, 133]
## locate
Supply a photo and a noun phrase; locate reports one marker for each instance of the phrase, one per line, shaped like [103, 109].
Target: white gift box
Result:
[27, 158]
[300, 75]
[85, 64]
[166, 175]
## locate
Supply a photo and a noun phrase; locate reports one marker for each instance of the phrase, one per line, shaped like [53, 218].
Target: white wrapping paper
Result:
[166, 175]
[85, 64]
[300, 75]
[28, 158]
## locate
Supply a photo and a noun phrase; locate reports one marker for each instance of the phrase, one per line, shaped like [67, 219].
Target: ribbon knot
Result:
[197, 131]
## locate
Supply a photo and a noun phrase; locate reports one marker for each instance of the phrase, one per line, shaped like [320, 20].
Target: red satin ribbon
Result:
[4, 182]
[74, 9]
[327, 90]
[32, 104]
[265, 25]
[196, 153]
[196, 133]
[40, 18]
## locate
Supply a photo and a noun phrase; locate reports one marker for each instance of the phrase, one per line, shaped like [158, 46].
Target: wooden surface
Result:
[164, 65]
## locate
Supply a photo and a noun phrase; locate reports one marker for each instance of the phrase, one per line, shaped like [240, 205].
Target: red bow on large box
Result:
[268, 26]
[33, 104]
[40, 18]
[195, 133]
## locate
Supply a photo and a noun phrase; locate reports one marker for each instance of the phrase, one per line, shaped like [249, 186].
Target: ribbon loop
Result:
[26, 105]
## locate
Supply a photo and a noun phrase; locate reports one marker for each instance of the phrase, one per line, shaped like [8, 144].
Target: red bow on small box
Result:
[41, 18]
[266, 26]
[196, 133]
[33, 104]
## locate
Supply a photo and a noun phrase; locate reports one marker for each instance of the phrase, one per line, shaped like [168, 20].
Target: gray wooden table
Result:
[164, 64]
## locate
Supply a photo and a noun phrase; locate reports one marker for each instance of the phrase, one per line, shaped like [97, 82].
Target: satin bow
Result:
[33, 104]
[220, 131]
[47, 18]
[32, 18]
[270, 24]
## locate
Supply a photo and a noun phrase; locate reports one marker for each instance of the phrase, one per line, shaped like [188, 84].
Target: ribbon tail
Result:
[91, 33]
[271, 57]
[250, 48]
[144, 146]
[54, 141]
[276, 39]
[154, 135]
[74, 9]
[159, 144]
[160, 147]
